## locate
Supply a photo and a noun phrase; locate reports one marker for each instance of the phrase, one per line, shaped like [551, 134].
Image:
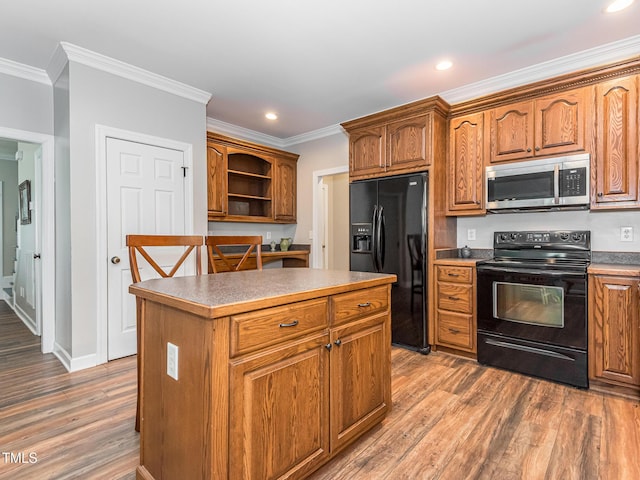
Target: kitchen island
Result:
[260, 374]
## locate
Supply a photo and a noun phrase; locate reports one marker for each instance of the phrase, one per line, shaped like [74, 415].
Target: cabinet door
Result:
[511, 132]
[561, 122]
[616, 162]
[466, 166]
[407, 144]
[284, 206]
[216, 180]
[614, 323]
[279, 405]
[360, 377]
[366, 152]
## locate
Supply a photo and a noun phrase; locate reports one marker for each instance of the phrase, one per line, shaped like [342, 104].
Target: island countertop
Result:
[222, 294]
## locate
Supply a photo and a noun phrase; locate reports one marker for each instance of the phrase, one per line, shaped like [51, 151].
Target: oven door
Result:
[538, 305]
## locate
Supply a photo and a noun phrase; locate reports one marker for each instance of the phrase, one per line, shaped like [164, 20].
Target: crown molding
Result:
[313, 135]
[603, 54]
[131, 72]
[242, 133]
[21, 70]
[254, 136]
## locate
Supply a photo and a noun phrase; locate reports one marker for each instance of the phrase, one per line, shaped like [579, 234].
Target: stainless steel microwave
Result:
[546, 184]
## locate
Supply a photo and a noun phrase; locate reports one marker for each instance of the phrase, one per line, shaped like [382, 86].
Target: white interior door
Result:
[145, 195]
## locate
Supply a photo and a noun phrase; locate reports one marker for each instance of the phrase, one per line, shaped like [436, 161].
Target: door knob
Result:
[115, 260]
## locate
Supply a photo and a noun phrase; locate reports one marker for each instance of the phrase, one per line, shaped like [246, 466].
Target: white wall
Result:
[100, 98]
[604, 226]
[338, 218]
[62, 208]
[9, 178]
[24, 292]
[25, 105]
[321, 154]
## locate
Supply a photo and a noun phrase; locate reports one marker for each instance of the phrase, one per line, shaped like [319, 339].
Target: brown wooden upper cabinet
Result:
[616, 153]
[465, 188]
[549, 125]
[247, 182]
[396, 141]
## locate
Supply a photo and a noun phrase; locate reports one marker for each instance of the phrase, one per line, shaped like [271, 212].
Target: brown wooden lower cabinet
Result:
[268, 388]
[614, 329]
[455, 296]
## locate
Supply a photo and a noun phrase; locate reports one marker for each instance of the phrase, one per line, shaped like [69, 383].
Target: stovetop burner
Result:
[562, 250]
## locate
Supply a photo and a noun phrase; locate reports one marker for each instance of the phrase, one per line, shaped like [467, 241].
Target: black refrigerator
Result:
[388, 219]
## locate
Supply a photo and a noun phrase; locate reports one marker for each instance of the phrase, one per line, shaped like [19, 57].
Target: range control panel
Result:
[536, 239]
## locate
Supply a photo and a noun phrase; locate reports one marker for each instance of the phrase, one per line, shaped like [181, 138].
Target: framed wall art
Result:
[25, 199]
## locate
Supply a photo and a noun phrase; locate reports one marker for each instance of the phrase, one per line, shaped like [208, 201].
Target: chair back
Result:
[137, 244]
[228, 260]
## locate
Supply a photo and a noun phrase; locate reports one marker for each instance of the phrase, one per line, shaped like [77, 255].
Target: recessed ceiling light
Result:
[444, 65]
[271, 116]
[618, 5]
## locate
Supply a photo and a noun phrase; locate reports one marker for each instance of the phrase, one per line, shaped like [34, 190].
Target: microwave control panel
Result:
[573, 182]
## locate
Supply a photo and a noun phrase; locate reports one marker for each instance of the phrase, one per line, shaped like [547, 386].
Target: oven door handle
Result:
[531, 271]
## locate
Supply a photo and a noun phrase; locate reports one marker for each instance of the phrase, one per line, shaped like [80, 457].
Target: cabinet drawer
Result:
[455, 297]
[347, 306]
[447, 273]
[255, 330]
[455, 330]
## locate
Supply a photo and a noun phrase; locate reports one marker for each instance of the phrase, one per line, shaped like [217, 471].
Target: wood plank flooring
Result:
[451, 419]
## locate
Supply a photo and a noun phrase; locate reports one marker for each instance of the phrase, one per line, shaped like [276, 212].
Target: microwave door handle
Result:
[556, 184]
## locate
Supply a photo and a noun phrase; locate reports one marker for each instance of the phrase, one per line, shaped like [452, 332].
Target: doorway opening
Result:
[330, 244]
[27, 253]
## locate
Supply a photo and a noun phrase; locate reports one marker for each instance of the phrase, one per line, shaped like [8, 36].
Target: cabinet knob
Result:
[328, 346]
[115, 260]
[600, 194]
[528, 150]
[537, 149]
[338, 342]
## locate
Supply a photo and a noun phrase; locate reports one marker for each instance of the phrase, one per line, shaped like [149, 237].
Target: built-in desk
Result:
[277, 370]
[292, 258]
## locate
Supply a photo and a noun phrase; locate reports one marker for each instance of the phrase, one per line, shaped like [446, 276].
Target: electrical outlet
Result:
[471, 233]
[268, 235]
[626, 234]
[172, 360]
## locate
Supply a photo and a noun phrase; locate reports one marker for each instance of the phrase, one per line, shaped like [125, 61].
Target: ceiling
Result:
[314, 63]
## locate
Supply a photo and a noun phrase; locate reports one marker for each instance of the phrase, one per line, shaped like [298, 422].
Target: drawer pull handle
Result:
[364, 305]
[454, 298]
[453, 274]
[454, 331]
[292, 324]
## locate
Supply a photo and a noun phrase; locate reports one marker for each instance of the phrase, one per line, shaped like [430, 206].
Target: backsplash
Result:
[604, 227]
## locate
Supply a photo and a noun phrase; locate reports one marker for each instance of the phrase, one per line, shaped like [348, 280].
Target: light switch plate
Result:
[471, 234]
[172, 360]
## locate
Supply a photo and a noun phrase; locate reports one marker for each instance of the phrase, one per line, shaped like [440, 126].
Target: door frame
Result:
[317, 212]
[102, 270]
[45, 225]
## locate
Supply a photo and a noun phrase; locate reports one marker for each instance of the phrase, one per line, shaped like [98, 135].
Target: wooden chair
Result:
[137, 244]
[229, 259]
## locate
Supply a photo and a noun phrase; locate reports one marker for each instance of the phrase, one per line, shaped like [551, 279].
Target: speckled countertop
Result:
[224, 294]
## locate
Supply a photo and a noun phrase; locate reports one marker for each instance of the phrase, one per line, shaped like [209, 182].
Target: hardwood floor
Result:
[59, 425]
[451, 419]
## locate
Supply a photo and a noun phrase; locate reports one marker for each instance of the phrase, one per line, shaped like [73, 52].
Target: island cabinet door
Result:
[360, 378]
[279, 406]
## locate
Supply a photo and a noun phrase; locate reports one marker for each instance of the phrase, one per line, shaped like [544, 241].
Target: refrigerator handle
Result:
[380, 239]
[374, 249]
